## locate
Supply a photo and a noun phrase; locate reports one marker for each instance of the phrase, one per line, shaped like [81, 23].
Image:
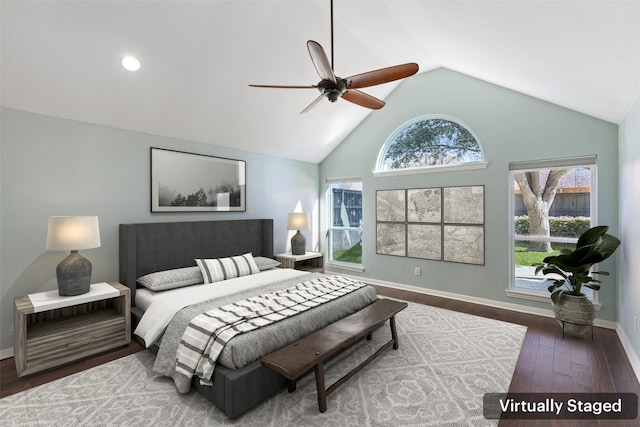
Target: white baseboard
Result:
[460, 297]
[634, 359]
[6, 353]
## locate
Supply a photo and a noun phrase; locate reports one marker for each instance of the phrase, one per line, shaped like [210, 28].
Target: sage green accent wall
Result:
[629, 291]
[510, 127]
[53, 166]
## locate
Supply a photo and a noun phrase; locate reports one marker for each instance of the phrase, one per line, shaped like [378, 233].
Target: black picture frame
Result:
[190, 182]
[463, 204]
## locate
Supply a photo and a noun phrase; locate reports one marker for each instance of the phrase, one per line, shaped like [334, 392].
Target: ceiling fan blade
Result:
[363, 99]
[320, 61]
[313, 104]
[287, 87]
[383, 75]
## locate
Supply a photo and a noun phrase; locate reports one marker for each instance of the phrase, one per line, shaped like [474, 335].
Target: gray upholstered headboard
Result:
[150, 247]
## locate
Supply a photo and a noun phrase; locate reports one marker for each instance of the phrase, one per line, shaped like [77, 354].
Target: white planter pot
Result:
[574, 313]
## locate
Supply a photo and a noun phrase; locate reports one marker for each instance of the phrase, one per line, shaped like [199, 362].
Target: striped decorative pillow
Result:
[215, 270]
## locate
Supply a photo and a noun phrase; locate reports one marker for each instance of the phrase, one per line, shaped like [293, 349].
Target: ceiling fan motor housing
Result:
[332, 90]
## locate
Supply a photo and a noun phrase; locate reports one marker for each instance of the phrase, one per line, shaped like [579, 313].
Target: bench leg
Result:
[292, 386]
[322, 393]
[394, 333]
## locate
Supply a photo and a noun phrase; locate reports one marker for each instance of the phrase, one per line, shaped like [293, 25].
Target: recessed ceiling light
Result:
[130, 63]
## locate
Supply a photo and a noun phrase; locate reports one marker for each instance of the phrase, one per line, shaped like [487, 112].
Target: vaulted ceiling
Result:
[62, 58]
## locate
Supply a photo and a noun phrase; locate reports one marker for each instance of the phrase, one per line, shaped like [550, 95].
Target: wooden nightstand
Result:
[310, 261]
[50, 330]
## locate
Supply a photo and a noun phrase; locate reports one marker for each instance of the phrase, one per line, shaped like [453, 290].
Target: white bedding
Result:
[160, 307]
[144, 297]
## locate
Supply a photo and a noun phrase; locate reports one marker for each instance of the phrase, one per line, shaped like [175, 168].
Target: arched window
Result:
[430, 141]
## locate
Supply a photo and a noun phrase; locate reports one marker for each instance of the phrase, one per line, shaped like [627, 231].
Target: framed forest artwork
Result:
[187, 182]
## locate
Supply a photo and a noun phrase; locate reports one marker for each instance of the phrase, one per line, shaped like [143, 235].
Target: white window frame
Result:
[572, 162]
[330, 227]
[379, 168]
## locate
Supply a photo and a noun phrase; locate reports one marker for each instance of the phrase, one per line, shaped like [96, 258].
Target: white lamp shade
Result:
[70, 233]
[298, 221]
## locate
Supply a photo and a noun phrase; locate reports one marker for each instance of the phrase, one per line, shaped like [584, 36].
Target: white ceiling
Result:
[62, 58]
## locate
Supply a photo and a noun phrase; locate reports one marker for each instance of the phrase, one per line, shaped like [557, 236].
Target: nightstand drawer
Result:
[50, 338]
[73, 334]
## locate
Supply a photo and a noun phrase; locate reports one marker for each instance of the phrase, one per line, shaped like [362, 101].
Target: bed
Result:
[155, 247]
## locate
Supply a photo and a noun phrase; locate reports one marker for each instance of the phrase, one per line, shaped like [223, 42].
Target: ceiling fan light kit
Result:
[332, 87]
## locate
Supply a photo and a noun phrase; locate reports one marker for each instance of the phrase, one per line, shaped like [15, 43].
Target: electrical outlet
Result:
[417, 271]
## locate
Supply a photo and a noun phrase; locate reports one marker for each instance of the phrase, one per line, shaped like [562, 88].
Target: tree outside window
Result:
[430, 141]
[552, 208]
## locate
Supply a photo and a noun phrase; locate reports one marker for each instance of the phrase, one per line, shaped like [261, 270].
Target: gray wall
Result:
[52, 166]
[629, 292]
[510, 127]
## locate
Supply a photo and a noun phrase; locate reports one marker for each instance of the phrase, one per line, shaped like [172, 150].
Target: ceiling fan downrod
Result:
[331, 18]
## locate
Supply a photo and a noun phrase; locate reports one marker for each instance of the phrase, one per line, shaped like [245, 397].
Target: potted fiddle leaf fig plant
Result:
[570, 271]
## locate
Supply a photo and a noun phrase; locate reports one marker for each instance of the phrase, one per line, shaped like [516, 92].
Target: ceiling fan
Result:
[333, 87]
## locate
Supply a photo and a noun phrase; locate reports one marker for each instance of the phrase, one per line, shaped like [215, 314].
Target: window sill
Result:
[540, 296]
[431, 169]
[341, 266]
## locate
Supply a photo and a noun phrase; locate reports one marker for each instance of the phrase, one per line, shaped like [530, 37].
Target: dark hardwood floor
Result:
[10, 383]
[547, 363]
[550, 364]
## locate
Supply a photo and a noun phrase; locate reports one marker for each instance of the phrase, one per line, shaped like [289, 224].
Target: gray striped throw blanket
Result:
[207, 334]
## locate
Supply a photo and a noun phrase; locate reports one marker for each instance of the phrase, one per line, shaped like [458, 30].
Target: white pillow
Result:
[170, 279]
[215, 270]
[265, 263]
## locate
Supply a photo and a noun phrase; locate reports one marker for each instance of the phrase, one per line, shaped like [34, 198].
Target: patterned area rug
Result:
[445, 364]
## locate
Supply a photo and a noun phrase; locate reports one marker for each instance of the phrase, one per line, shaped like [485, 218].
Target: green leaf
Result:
[555, 297]
[591, 236]
[554, 286]
[552, 269]
[594, 246]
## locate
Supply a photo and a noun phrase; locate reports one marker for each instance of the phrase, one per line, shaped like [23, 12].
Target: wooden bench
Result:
[296, 360]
